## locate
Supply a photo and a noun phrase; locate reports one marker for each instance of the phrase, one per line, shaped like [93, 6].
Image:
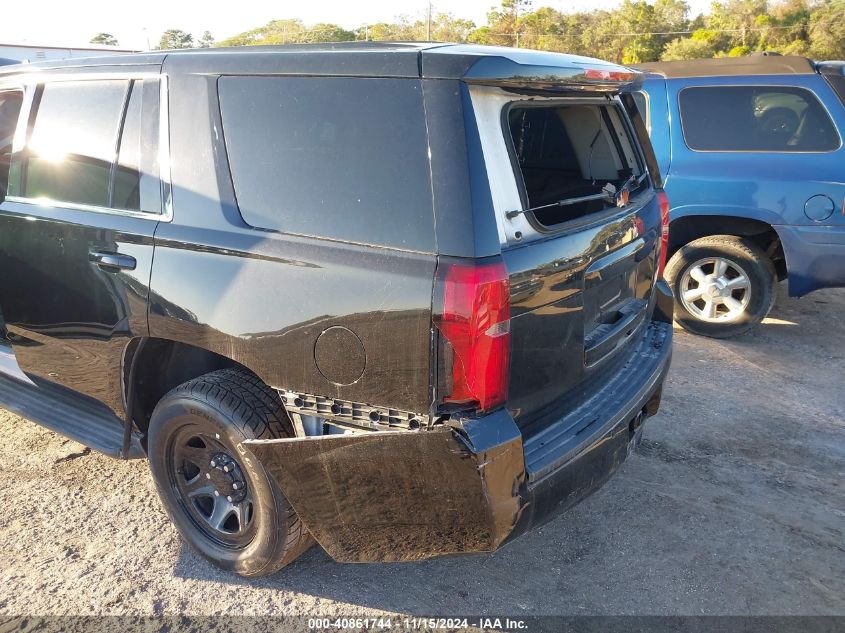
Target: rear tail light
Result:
[474, 320]
[663, 200]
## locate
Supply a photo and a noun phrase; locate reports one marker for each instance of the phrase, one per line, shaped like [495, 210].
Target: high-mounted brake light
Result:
[663, 200]
[474, 320]
[609, 75]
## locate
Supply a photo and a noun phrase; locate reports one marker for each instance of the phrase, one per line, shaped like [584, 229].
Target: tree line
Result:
[170, 39]
[635, 31]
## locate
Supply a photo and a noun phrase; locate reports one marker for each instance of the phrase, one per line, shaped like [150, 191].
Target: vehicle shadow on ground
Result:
[504, 582]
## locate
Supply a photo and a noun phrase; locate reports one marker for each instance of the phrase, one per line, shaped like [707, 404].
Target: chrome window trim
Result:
[31, 78]
[28, 82]
[757, 151]
[58, 204]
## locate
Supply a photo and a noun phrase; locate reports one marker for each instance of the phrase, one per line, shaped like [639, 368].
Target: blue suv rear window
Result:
[755, 119]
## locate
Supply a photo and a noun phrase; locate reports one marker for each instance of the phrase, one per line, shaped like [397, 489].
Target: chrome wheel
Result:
[715, 289]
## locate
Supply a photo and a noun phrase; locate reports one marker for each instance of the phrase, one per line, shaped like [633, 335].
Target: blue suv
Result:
[753, 162]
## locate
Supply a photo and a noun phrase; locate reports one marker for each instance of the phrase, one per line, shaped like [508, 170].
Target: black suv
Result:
[401, 298]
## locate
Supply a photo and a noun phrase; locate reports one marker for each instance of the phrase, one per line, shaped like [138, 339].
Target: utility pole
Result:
[517, 4]
[428, 24]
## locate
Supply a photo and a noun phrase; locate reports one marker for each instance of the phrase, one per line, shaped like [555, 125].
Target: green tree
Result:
[635, 31]
[544, 29]
[106, 39]
[736, 22]
[687, 48]
[446, 27]
[175, 38]
[384, 31]
[206, 41]
[291, 32]
[274, 32]
[324, 32]
[827, 30]
[504, 24]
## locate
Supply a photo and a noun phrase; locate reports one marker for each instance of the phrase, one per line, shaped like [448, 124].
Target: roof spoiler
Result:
[831, 67]
[506, 73]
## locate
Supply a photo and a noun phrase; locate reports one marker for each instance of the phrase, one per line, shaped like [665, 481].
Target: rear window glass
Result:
[574, 159]
[339, 158]
[755, 119]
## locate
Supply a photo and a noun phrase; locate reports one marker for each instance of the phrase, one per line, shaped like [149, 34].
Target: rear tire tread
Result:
[258, 409]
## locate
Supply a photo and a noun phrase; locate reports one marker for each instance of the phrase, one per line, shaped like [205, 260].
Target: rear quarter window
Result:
[755, 119]
[338, 158]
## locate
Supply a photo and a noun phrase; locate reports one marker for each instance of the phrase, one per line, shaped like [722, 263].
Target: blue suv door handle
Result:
[112, 262]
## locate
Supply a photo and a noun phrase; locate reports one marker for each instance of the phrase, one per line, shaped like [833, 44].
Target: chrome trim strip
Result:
[49, 203]
[34, 76]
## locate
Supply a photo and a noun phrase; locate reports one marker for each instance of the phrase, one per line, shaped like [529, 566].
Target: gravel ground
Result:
[734, 504]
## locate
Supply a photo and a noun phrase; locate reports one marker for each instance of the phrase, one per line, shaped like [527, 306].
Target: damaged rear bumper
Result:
[466, 487]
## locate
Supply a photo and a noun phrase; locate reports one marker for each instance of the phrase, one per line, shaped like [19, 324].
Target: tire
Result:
[197, 461]
[749, 282]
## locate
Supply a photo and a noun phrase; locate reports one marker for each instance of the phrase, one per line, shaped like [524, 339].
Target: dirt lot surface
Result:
[734, 504]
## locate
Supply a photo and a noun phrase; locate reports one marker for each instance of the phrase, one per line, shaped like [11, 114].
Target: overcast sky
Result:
[75, 22]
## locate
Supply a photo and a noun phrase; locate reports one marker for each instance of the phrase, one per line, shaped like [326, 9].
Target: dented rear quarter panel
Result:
[262, 298]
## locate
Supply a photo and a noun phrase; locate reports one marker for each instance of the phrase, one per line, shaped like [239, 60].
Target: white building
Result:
[32, 53]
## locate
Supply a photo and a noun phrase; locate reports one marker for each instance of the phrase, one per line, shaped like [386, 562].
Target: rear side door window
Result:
[755, 119]
[92, 143]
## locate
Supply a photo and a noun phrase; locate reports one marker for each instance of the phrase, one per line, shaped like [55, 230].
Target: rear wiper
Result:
[609, 193]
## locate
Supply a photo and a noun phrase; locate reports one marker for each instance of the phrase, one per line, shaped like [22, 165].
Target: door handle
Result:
[112, 262]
